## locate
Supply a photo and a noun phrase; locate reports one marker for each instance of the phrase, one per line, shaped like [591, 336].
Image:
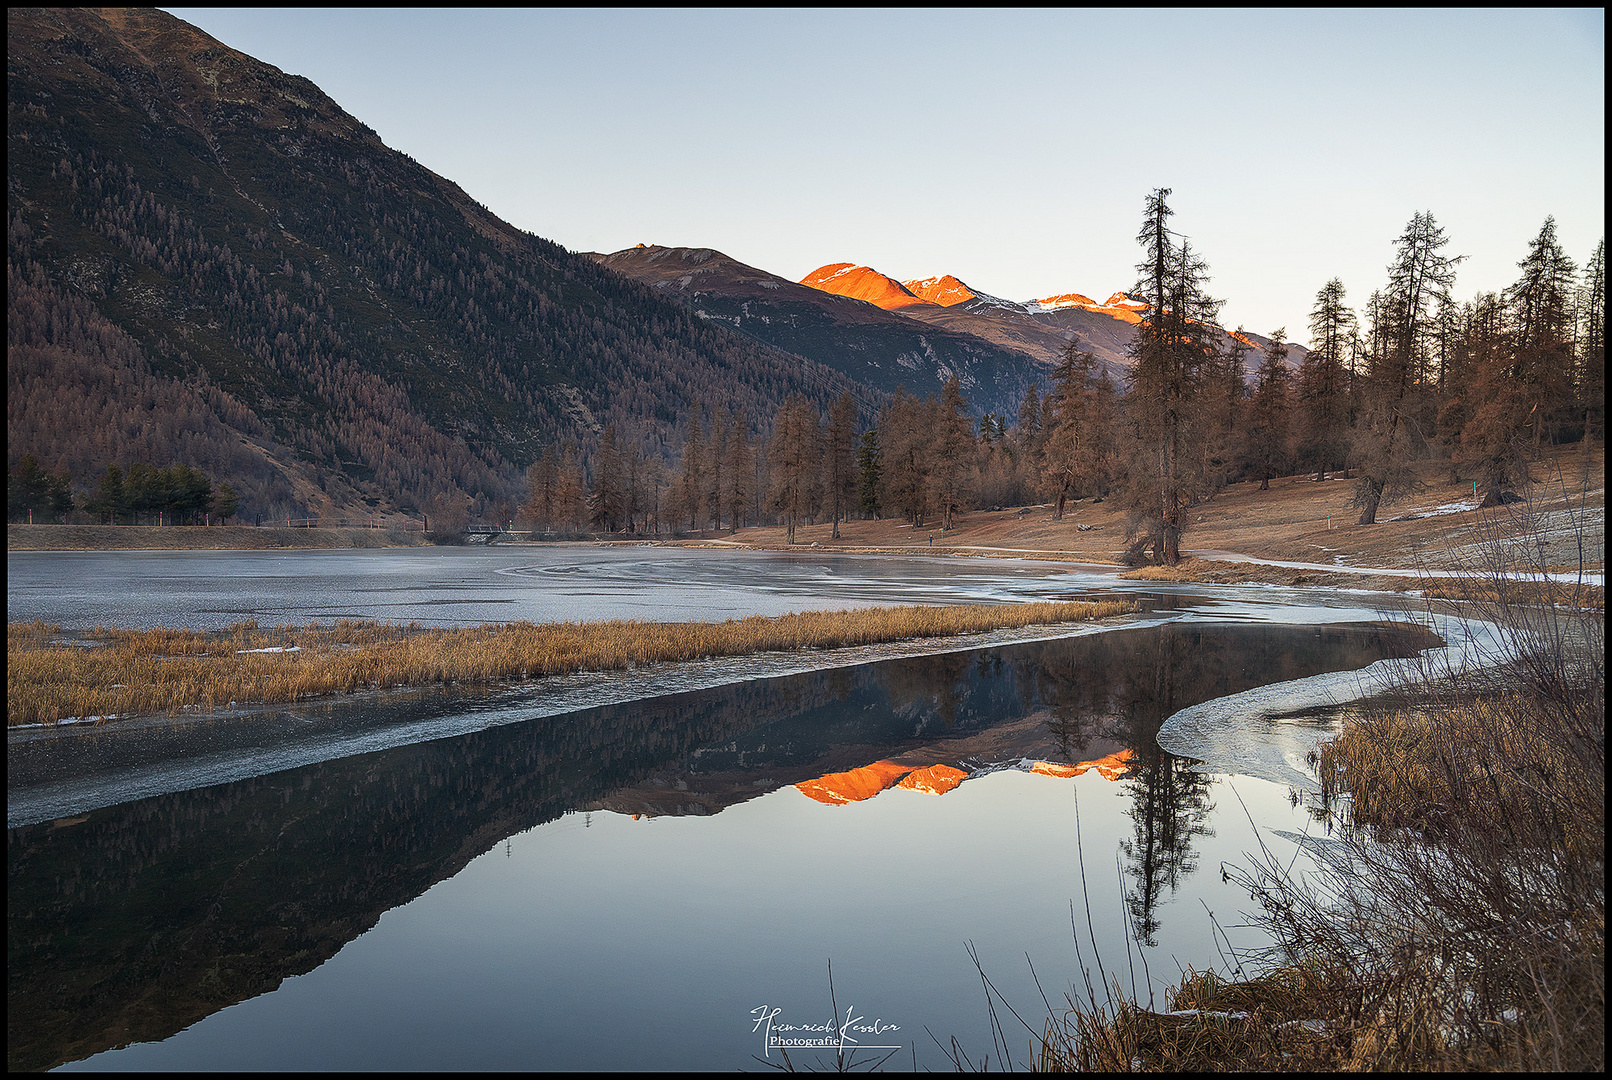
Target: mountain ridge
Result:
[346, 329]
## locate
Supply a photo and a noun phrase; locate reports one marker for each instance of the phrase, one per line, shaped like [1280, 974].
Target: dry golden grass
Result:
[1565, 593]
[119, 673]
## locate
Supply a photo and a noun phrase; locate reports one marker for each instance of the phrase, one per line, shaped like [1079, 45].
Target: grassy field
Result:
[109, 673]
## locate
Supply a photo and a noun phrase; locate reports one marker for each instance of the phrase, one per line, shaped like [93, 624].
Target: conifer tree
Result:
[953, 453]
[905, 448]
[1591, 381]
[1419, 279]
[868, 472]
[1080, 443]
[109, 501]
[1541, 308]
[1323, 382]
[1169, 353]
[716, 450]
[1269, 418]
[608, 502]
[839, 460]
[692, 487]
[794, 460]
[542, 487]
[739, 471]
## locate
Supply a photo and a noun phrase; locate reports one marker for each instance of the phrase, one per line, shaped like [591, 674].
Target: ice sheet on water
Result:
[1245, 733]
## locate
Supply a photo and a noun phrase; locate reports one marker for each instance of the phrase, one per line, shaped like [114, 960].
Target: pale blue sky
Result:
[1010, 148]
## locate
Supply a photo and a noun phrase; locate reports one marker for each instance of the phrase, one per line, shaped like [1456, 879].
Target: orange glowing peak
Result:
[861, 283]
[839, 788]
[1112, 767]
[944, 291]
[1061, 301]
[936, 780]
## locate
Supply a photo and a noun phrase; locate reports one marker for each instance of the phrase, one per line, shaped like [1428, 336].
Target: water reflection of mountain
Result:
[130, 923]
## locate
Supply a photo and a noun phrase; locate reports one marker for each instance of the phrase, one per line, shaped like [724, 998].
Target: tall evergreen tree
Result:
[868, 472]
[1269, 422]
[1169, 353]
[1541, 308]
[839, 460]
[1419, 279]
[609, 500]
[1079, 446]
[1591, 381]
[740, 470]
[905, 431]
[1323, 389]
[691, 489]
[794, 460]
[716, 451]
[954, 452]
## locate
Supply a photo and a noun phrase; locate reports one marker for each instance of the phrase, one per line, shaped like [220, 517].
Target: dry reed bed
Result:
[119, 673]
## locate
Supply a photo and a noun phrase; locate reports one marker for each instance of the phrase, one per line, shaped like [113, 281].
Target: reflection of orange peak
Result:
[945, 291]
[936, 780]
[1112, 767]
[839, 788]
[861, 283]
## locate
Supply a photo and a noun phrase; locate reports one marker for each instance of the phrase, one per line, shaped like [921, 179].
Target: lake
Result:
[656, 878]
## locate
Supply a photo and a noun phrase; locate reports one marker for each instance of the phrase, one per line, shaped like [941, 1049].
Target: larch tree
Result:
[839, 461]
[608, 502]
[1269, 443]
[1079, 446]
[1168, 354]
[716, 450]
[1591, 369]
[1323, 382]
[794, 460]
[1542, 324]
[1399, 363]
[904, 437]
[542, 486]
[953, 452]
[691, 485]
[740, 470]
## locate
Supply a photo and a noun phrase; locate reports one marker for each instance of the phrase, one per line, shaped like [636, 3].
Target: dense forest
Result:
[1484, 385]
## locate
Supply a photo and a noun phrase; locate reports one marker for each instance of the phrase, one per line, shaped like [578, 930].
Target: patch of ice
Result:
[271, 648]
[1243, 733]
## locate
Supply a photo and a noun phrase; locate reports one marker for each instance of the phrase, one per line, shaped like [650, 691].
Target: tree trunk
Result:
[1264, 483]
[1368, 513]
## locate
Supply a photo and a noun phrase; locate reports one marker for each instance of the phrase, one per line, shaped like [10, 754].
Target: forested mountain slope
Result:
[209, 262]
[866, 342]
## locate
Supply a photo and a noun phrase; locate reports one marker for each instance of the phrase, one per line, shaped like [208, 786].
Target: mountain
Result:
[209, 262]
[861, 283]
[1041, 328]
[862, 340]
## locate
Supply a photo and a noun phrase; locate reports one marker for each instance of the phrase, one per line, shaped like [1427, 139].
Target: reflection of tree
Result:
[1170, 800]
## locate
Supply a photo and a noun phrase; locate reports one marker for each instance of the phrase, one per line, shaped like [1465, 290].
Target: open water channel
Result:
[656, 870]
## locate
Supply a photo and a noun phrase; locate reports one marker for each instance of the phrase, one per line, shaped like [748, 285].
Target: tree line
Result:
[146, 494]
[1483, 386]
